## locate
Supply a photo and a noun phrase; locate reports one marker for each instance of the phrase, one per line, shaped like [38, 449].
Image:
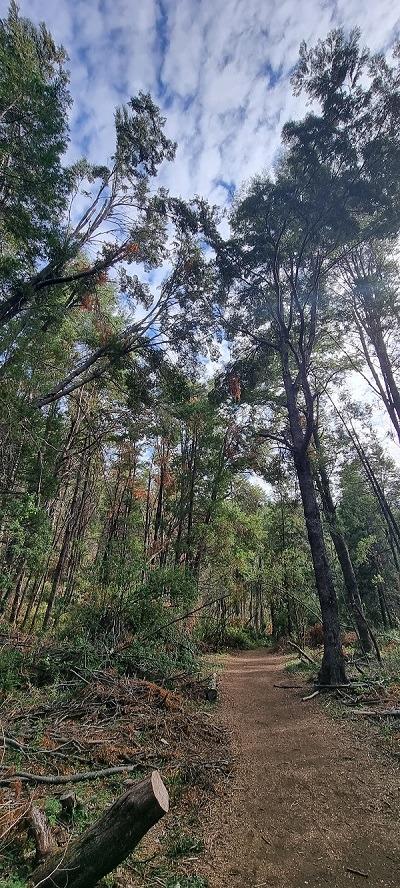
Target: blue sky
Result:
[219, 70]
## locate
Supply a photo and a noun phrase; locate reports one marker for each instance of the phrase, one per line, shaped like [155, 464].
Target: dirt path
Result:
[309, 799]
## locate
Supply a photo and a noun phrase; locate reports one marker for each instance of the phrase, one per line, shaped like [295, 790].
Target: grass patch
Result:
[186, 882]
[181, 845]
[301, 668]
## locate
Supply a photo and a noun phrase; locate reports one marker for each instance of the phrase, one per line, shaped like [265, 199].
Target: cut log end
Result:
[160, 791]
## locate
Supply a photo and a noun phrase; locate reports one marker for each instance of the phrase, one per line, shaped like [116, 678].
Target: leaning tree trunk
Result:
[364, 632]
[332, 669]
[102, 847]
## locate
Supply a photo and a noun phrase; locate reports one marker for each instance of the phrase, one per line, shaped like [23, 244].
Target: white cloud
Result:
[219, 71]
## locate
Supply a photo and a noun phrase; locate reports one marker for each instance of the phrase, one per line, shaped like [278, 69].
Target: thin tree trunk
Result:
[192, 466]
[342, 552]
[364, 631]
[75, 507]
[384, 506]
[370, 326]
[17, 593]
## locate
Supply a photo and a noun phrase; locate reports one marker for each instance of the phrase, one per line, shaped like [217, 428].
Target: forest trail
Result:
[310, 799]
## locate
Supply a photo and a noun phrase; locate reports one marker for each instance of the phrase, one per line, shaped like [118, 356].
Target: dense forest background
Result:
[150, 505]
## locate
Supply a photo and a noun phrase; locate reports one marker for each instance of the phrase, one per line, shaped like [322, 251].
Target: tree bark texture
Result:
[332, 669]
[44, 840]
[102, 847]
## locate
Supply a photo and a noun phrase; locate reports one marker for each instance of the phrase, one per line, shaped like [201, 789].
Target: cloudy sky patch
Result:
[219, 71]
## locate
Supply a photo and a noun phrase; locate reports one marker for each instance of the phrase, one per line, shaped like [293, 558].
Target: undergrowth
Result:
[301, 667]
[378, 686]
[102, 707]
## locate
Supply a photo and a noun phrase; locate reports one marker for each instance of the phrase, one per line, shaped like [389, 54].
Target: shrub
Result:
[11, 660]
[316, 635]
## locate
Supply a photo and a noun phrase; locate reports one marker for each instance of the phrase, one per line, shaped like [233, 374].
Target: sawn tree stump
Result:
[107, 842]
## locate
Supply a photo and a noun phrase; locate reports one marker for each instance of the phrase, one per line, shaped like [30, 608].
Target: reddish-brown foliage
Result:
[316, 635]
[234, 386]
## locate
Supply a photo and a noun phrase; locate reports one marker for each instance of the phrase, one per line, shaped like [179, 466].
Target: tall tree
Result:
[336, 184]
[34, 102]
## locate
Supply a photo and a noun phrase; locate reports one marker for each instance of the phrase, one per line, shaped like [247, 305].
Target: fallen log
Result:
[349, 869]
[102, 847]
[303, 653]
[290, 687]
[61, 779]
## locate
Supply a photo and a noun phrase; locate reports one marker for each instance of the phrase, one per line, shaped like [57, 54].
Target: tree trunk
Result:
[342, 552]
[45, 843]
[386, 615]
[74, 513]
[386, 510]
[102, 847]
[192, 469]
[353, 594]
[332, 669]
[382, 606]
[17, 593]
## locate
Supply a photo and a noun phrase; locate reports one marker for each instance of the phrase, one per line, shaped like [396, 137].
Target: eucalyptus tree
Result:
[34, 103]
[335, 185]
[55, 257]
[116, 196]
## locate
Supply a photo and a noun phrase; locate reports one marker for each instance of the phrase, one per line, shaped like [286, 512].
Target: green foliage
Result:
[52, 809]
[11, 663]
[241, 637]
[358, 97]
[13, 882]
[28, 528]
[141, 143]
[186, 882]
[171, 585]
[182, 844]
[390, 646]
[301, 667]
[366, 531]
[33, 136]
[159, 658]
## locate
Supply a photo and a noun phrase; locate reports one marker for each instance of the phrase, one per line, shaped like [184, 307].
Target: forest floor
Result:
[313, 801]
[266, 789]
